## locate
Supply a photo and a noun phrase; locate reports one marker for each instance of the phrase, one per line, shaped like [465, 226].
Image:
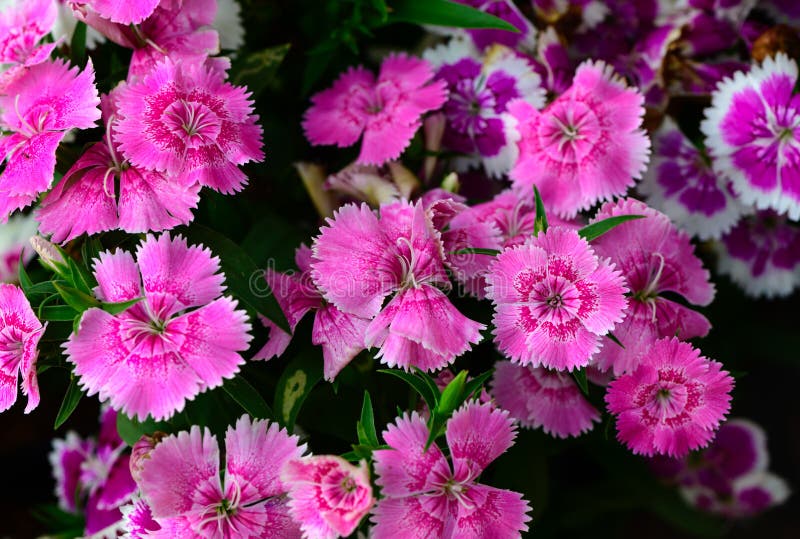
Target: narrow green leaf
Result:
[430, 382]
[39, 289]
[435, 428]
[257, 69]
[298, 379]
[78, 44]
[244, 279]
[247, 397]
[477, 251]
[540, 224]
[613, 338]
[417, 384]
[366, 425]
[452, 395]
[444, 13]
[70, 402]
[57, 313]
[24, 281]
[131, 429]
[116, 308]
[82, 279]
[475, 384]
[76, 299]
[595, 230]
[579, 375]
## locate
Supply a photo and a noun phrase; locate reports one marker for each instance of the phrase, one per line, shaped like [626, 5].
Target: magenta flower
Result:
[94, 475]
[186, 121]
[537, 397]
[328, 496]
[340, 334]
[681, 183]
[586, 146]
[553, 300]
[181, 483]
[38, 108]
[85, 201]
[762, 255]
[180, 340]
[22, 26]
[654, 257]
[480, 88]
[122, 12]
[361, 259]
[424, 496]
[753, 134]
[672, 403]
[20, 332]
[386, 111]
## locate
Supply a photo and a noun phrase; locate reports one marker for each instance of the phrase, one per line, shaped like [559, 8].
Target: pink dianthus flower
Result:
[672, 403]
[387, 111]
[22, 26]
[553, 300]
[20, 332]
[180, 340]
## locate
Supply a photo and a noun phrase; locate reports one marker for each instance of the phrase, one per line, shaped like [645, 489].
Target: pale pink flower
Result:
[672, 403]
[537, 397]
[340, 334]
[20, 332]
[654, 257]
[425, 496]
[752, 132]
[386, 110]
[180, 340]
[22, 26]
[14, 246]
[38, 108]
[185, 120]
[181, 483]
[85, 201]
[361, 259]
[328, 496]
[586, 146]
[553, 299]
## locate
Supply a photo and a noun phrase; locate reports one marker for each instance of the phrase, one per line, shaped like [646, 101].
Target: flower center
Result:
[555, 301]
[348, 484]
[193, 122]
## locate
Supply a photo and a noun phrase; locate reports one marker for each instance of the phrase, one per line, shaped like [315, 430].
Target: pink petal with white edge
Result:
[124, 11]
[328, 496]
[477, 434]
[138, 520]
[30, 163]
[407, 469]
[414, 517]
[277, 341]
[489, 513]
[182, 474]
[564, 346]
[341, 336]
[256, 452]
[66, 459]
[603, 301]
[173, 270]
[117, 277]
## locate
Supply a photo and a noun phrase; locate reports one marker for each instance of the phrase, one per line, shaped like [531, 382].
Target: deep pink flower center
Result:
[670, 400]
[195, 123]
[570, 131]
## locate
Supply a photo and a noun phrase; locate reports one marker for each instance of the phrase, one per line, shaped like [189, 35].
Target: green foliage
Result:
[247, 397]
[70, 402]
[444, 13]
[540, 223]
[296, 382]
[595, 230]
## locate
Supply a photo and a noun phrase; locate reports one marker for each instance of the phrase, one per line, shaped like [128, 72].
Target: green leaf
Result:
[367, 435]
[70, 402]
[540, 224]
[78, 44]
[247, 397]
[430, 382]
[613, 338]
[298, 379]
[257, 69]
[477, 251]
[116, 308]
[24, 281]
[244, 279]
[80, 301]
[475, 385]
[39, 289]
[595, 230]
[131, 429]
[453, 394]
[59, 523]
[444, 13]
[57, 313]
[417, 384]
[579, 375]
[82, 279]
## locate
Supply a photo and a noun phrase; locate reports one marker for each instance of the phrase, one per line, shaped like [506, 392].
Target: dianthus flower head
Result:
[38, 108]
[480, 88]
[654, 257]
[424, 495]
[553, 300]
[340, 334]
[20, 332]
[180, 340]
[586, 146]
[681, 183]
[22, 26]
[762, 255]
[185, 120]
[361, 259]
[328, 496]
[540, 398]
[387, 111]
[181, 483]
[128, 12]
[752, 132]
[672, 402]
